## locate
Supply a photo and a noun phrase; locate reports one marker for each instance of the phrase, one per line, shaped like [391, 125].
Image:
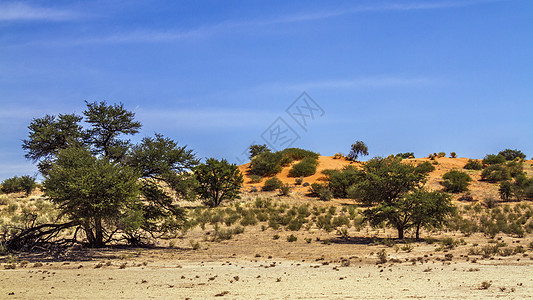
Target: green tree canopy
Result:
[414, 210]
[218, 180]
[93, 192]
[384, 180]
[96, 176]
[358, 148]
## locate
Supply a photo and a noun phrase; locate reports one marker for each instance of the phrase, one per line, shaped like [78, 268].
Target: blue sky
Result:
[403, 76]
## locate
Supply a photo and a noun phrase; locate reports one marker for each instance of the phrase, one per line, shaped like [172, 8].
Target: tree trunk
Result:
[400, 233]
[418, 232]
[99, 233]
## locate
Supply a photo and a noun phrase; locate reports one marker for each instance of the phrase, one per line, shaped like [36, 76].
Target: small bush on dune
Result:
[473, 164]
[298, 154]
[325, 195]
[306, 167]
[492, 159]
[272, 184]
[316, 188]
[266, 164]
[255, 178]
[255, 150]
[456, 181]
[509, 154]
[495, 173]
[406, 155]
[285, 189]
[425, 168]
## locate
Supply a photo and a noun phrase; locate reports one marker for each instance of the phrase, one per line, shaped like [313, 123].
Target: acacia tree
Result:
[397, 189]
[108, 122]
[92, 192]
[384, 180]
[88, 175]
[358, 148]
[218, 180]
[50, 134]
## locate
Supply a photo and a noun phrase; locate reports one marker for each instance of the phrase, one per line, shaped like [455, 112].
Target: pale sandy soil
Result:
[261, 278]
[255, 266]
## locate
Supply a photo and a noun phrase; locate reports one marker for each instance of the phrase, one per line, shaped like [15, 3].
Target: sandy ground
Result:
[255, 266]
[236, 278]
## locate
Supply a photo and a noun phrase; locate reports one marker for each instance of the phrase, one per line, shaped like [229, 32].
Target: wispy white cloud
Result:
[19, 11]
[23, 11]
[356, 83]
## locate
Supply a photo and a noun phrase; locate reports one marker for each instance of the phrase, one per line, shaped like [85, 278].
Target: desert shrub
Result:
[505, 190]
[509, 154]
[325, 195]
[292, 238]
[405, 155]
[495, 173]
[515, 168]
[324, 222]
[473, 164]
[490, 202]
[456, 181]
[285, 189]
[441, 154]
[19, 184]
[466, 197]
[248, 218]
[523, 187]
[299, 181]
[298, 154]
[272, 184]
[316, 188]
[266, 164]
[255, 150]
[340, 180]
[453, 155]
[306, 167]
[295, 224]
[425, 167]
[491, 159]
[338, 156]
[255, 178]
[285, 161]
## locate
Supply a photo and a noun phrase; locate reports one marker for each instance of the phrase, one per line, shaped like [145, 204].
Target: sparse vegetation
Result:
[492, 159]
[357, 149]
[509, 154]
[272, 184]
[218, 180]
[406, 155]
[255, 150]
[17, 184]
[473, 164]
[306, 167]
[456, 181]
